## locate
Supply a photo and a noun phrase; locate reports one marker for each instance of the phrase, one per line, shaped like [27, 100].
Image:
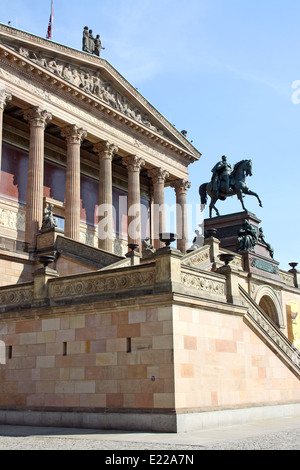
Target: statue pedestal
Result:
[257, 260]
[46, 240]
[228, 227]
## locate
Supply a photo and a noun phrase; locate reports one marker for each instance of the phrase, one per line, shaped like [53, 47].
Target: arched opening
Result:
[269, 301]
[268, 306]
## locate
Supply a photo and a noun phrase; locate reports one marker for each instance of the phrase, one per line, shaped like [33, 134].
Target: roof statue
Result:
[226, 182]
[90, 44]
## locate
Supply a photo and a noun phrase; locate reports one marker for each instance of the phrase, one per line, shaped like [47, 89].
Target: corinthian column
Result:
[159, 177]
[38, 120]
[74, 136]
[181, 187]
[106, 152]
[134, 165]
[4, 98]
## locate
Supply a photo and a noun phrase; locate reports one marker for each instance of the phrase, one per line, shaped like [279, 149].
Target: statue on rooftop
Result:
[98, 46]
[90, 44]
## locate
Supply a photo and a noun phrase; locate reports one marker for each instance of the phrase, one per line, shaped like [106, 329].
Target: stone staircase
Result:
[270, 334]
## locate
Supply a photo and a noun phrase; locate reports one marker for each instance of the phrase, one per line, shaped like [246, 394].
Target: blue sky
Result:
[221, 69]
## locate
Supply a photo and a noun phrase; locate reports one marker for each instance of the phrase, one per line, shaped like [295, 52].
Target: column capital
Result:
[158, 175]
[133, 162]
[181, 186]
[105, 150]
[37, 116]
[4, 98]
[73, 134]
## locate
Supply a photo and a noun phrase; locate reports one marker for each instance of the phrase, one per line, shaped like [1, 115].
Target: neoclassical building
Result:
[102, 323]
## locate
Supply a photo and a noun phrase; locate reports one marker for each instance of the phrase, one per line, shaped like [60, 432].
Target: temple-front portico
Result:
[88, 146]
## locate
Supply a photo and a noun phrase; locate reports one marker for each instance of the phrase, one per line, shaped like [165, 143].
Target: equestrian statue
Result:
[226, 182]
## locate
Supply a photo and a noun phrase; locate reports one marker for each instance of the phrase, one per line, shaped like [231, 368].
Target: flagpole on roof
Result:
[50, 26]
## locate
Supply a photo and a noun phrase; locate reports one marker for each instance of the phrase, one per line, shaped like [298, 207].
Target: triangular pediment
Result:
[92, 78]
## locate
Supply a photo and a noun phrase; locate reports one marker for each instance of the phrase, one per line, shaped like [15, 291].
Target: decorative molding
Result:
[16, 296]
[92, 83]
[158, 175]
[37, 116]
[270, 293]
[181, 186]
[11, 35]
[203, 283]
[11, 73]
[84, 252]
[73, 134]
[105, 150]
[12, 219]
[133, 163]
[287, 278]
[102, 283]
[18, 58]
[197, 259]
[4, 98]
[89, 238]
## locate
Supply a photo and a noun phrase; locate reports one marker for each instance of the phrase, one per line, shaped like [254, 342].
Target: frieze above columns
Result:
[90, 82]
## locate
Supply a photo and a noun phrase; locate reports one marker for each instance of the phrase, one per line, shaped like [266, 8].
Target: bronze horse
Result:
[238, 187]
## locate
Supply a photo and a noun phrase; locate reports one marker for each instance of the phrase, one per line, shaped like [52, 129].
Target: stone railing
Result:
[162, 275]
[270, 333]
[206, 284]
[16, 297]
[237, 262]
[287, 278]
[197, 259]
[83, 252]
[103, 284]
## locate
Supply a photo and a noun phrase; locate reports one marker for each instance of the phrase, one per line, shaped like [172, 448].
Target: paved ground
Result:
[275, 434]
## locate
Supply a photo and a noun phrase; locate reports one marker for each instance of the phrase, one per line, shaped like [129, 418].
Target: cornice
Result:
[16, 38]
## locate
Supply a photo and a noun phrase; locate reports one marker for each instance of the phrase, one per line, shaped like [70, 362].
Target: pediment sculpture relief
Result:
[91, 82]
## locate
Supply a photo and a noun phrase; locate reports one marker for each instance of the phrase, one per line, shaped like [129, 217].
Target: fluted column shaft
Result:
[159, 177]
[4, 98]
[106, 152]
[38, 119]
[181, 187]
[134, 165]
[74, 137]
